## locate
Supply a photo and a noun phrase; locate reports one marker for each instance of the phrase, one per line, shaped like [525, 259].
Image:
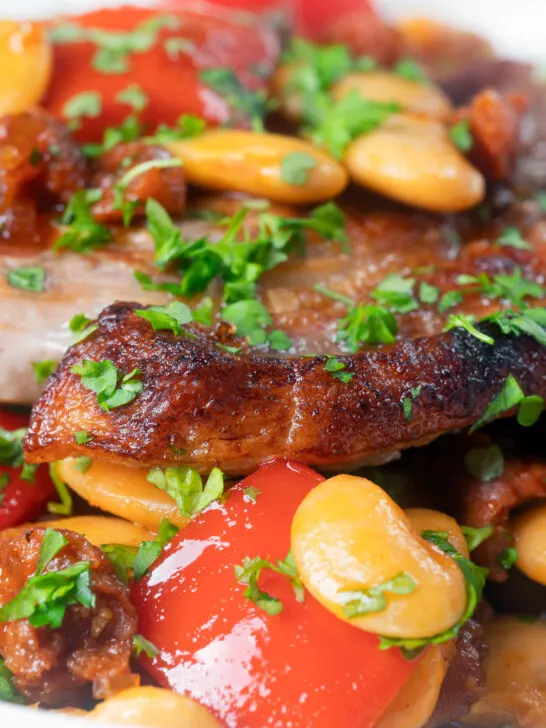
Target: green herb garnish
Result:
[27, 278]
[113, 388]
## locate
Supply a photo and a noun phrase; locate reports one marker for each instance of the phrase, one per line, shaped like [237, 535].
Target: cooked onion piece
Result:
[123, 491]
[279, 168]
[529, 530]
[415, 703]
[419, 98]
[516, 675]
[98, 530]
[413, 160]
[349, 537]
[426, 519]
[153, 707]
[25, 63]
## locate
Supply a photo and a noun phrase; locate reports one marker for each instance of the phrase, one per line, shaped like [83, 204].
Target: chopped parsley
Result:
[336, 367]
[335, 124]
[44, 369]
[185, 486]
[65, 506]
[475, 577]
[8, 692]
[128, 207]
[510, 396]
[113, 387]
[476, 536]
[86, 104]
[82, 232]
[187, 126]
[250, 319]
[28, 278]
[460, 320]
[5, 480]
[82, 437]
[396, 293]
[411, 71]
[81, 327]
[407, 402]
[115, 47]
[150, 551]
[428, 293]
[508, 558]
[512, 238]
[250, 494]
[242, 100]
[295, 168]
[141, 644]
[461, 136]
[171, 317]
[370, 600]
[12, 455]
[449, 300]
[133, 96]
[45, 597]
[363, 323]
[250, 572]
[485, 463]
[129, 130]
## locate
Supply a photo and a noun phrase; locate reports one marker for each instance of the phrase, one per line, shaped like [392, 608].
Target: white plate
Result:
[515, 27]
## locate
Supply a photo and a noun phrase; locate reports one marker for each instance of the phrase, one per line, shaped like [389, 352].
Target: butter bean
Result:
[155, 708]
[529, 531]
[515, 670]
[414, 161]
[349, 535]
[123, 491]
[418, 98]
[98, 530]
[25, 63]
[415, 703]
[426, 519]
[253, 163]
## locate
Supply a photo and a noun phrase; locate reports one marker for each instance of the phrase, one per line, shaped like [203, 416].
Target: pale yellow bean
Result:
[414, 161]
[529, 531]
[155, 708]
[515, 675]
[426, 519]
[25, 65]
[418, 98]
[123, 491]
[348, 534]
[415, 703]
[98, 530]
[226, 159]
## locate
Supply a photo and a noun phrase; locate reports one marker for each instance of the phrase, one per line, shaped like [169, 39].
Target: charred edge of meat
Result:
[237, 411]
[93, 645]
[464, 683]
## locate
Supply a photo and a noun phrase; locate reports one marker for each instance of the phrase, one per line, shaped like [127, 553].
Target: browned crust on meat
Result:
[93, 645]
[236, 411]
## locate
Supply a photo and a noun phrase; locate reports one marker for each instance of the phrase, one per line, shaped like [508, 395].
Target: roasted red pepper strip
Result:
[168, 73]
[21, 500]
[303, 666]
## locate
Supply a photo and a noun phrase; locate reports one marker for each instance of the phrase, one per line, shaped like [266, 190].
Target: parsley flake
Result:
[45, 597]
[113, 388]
[133, 96]
[81, 327]
[28, 278]
[512, 238]
[508, 558]
[64, 507]
[460, 320]
[295, 168]
[8, 692]
[411, 71]
[85, 104]
[461, 136]
[141, 644]
[476, 536]
[171, 317]
[250, 572]
[485, 463]
[370, 600]
[150, 551]
[250, 494]
[185, 486]
[510, 396]
[82, 232]
[335, 367]
[44, 369]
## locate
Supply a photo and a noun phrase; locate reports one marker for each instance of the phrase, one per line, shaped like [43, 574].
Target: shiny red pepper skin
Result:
[303, 667]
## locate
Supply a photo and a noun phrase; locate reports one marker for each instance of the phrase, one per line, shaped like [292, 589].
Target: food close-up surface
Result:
[272, 368]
